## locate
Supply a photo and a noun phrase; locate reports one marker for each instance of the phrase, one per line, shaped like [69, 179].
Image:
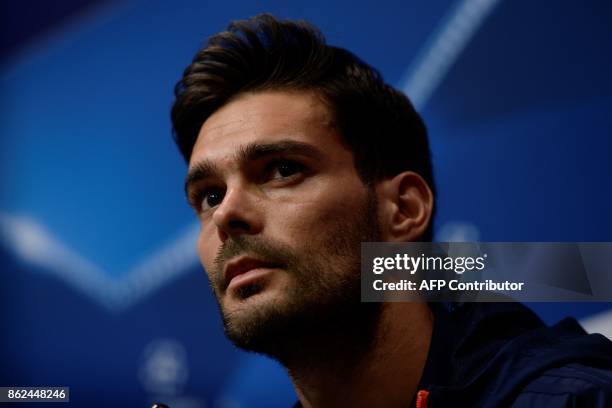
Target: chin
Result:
[257, 322]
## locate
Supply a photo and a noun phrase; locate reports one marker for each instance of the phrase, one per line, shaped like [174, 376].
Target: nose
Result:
[239, 213]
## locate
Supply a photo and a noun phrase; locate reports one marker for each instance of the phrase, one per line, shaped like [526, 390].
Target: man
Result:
[298, 152]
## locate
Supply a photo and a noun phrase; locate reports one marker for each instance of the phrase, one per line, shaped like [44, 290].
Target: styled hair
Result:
[377, 122]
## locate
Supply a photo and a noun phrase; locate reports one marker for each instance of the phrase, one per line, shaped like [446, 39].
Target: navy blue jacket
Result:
[502, 355]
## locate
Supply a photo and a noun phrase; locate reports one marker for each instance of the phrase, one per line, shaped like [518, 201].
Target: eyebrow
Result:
[251, 152]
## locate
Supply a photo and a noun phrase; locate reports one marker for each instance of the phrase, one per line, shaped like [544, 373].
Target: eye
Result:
[285, 168]
[210, 198]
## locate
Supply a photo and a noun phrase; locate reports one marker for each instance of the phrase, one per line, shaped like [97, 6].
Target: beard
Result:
[321, 308]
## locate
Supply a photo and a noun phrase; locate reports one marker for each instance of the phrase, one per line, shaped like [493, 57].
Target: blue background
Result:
[100, 287]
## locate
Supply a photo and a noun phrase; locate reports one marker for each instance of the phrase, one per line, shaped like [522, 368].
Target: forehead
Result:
[266, 117]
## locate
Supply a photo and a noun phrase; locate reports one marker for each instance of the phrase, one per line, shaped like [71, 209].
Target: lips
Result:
[243, 265]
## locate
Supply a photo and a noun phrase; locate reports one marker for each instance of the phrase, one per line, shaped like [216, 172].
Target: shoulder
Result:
[571, 385]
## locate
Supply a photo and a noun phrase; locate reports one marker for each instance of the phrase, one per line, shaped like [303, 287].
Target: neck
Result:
[337, 371]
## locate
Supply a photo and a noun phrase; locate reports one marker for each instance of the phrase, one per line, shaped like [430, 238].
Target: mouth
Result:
[244, 270]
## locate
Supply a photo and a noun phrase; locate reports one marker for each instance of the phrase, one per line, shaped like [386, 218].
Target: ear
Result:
[405, 207]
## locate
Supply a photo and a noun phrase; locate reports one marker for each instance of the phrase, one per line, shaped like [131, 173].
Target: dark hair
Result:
[379, 124]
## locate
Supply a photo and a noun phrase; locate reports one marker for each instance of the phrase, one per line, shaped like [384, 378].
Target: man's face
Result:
[282, 211]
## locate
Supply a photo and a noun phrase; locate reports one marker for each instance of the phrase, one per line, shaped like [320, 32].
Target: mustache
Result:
[257, 247]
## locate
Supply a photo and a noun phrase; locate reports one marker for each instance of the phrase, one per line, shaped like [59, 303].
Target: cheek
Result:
[319, 215]
[207, 247]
